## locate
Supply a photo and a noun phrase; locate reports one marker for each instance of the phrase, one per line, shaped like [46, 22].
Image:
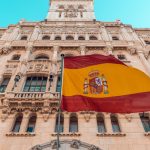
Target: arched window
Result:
[121, 57]
[69, 37]
[41, 57]
[4, 84]
[17, 123]
[115, 38]
[16, 57]
[57, 38]
[73, 125]
[35, 84]
[115, 123]
[147, 42]
[61, 127]
[81, 38]
[24, 37]
[46, 37]
[31, 123]
[145, 122]
[93, 37]
[101, 123]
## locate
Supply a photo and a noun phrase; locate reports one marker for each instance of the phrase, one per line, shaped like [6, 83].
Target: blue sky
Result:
[135, 12]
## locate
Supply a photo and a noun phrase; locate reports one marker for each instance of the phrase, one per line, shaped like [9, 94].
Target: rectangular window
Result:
[4, 84]
[58, 88]
[35, 84]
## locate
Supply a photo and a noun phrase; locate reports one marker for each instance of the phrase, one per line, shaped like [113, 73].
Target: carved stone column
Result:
[104, 33]
[144, 61]
[55, 53]
[24, 122]
[82, 49]
[108, 123]
[125, 33]
[35, 33]
[14, 34]
[66, 123]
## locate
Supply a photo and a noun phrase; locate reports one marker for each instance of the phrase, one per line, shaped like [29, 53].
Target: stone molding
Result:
[111, 134]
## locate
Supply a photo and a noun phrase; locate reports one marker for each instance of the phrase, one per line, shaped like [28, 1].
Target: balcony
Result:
[42, 66]
[69, 43]
[32, 95]
[19, 43]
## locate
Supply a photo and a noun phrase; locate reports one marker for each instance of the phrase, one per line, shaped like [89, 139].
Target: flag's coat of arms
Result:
[104, 84]
[95, 83]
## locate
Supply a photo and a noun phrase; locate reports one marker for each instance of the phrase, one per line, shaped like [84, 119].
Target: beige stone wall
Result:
[130, 43]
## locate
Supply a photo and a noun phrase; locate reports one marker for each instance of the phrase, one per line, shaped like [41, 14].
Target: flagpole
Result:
[59, 104]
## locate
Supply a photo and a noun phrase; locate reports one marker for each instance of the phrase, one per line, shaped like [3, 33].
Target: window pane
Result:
[4, 84]
[115, 124]
[17, 124]
[61, 127]
[101, 125]
[146, 123]
[73, 124]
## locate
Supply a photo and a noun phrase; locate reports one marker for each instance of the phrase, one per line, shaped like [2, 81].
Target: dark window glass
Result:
[58, 88]
[69, 38]
[4, 84]
[16, 57]
[115, 124]
[145, 122]
[42, 57]
[61, 127]
[31, 124]
[121, 57]
[17, 124]
[115, 38]
[101, 124]
[35, 84]
[73, 126]
[24, 38]
[46, 37]
[81, 38]
[93, 38]
[57, 38]
[147, 42]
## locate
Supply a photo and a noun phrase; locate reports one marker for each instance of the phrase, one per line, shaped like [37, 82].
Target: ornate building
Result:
[30, 82]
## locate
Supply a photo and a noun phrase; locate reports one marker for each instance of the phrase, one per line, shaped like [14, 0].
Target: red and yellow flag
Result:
[104, 84]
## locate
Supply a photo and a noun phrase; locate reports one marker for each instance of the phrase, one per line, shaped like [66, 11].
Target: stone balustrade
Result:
[119, 43]
[19, 43]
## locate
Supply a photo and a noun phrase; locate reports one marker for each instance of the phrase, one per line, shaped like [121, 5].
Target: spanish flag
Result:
[103, 84]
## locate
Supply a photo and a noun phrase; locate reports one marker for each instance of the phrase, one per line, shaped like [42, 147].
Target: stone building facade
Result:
[30, 81]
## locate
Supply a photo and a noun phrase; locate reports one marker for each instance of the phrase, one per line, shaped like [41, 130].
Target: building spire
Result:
[71, 10]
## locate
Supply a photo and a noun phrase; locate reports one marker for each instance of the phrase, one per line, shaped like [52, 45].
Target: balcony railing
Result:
[19, 43]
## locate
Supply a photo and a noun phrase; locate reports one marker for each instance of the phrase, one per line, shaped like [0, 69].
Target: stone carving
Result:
[71, 12]
[5, 50]
[93, 147]
[132, 50]
[38, 67]
[75, 144]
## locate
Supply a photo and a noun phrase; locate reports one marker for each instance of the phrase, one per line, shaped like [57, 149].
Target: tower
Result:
[71, 10]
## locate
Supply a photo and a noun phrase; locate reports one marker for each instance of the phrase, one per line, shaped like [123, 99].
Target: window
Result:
[58, 88]
[69, 38]
[93, 38]
[101, 123]
[46, 37]
[24, 37]
[57, 38]
[61, 127]
[61, 7]
[17, 123]
[80, 7]
[81, 38]
[42, 57]
[73, 125]
[115, 124]
[115, 38]
[121, 57]
[16, 57]
[147, 42]
[145, 122]
[4, 84]
[31, 124]
[35, 84]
